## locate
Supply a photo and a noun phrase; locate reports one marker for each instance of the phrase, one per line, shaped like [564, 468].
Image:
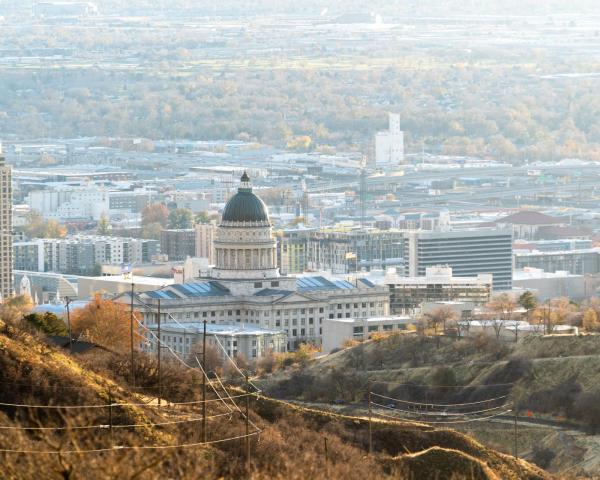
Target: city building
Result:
[529, 225]
[337, 331]
[292, 249]
[409, 294]
[205, 237]
[548, 285]
[237, 340]
[70, 202]
[389, 144]
[245, 287]
[29, 255]
[82, 254]
[6, 229]
[469, 252]
[178, 244]
[345, 251]
[576, 261]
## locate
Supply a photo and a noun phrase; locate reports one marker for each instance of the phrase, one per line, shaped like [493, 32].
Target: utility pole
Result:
[68, 302]
[110, 413]
[516, 433]
[370, 424]
[326, 458]
[247, 424]
[159, 354]
[205, 373]
[131, 332]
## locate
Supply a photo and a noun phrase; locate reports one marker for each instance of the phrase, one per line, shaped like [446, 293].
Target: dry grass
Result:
[291, 445]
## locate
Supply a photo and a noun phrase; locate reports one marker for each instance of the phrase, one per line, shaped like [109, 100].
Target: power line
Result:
[439, 404]
[106, 426]
[127, 447]
[441, 413]
[108, 405]
[481, 419]
[477, 385]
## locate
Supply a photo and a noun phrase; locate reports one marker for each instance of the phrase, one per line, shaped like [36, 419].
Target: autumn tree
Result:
[590, 320]
[106, 323]
[440, 316]
[214, 357]
[13, 309]
[155, 213]
[503, 306]
[38, 227]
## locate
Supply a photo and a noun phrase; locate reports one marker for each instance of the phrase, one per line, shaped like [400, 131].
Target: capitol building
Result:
[245, 289]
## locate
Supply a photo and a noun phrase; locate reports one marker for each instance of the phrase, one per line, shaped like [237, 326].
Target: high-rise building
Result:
[468, 252]
[178, 244]
[389, 144]
[354, 250]
[205, 237]
[6, 233]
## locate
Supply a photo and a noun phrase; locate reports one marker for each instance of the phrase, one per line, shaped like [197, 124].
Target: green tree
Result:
[527, 300]
[181, 218]
[103, 226]
[47, 322]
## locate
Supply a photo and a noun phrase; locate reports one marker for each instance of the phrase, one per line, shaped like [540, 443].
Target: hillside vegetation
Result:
[545, 378]
[291, 444]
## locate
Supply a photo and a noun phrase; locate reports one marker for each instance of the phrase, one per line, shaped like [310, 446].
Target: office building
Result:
[577, 261]
[337, 331]
[205, 237]
[178, 244]
[82, 254]
[6, 229]
[469, 252]
[347, 251]
[389, 144]
[292, 249]
[237, 340]
[408, 294]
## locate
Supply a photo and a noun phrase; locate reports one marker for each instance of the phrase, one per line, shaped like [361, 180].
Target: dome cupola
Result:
[245, 207]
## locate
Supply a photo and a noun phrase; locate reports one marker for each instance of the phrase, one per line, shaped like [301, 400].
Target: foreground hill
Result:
[553, 382]
[294, 442]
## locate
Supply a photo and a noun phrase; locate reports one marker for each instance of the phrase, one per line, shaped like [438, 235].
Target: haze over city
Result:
[303, 239]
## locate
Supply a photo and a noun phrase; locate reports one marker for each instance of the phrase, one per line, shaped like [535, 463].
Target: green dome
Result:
[245, 206]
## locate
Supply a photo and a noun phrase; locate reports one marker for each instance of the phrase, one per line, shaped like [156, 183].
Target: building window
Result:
[373, 328]
[274, 284]
[358, 330]
[257, 284]
[387, 328]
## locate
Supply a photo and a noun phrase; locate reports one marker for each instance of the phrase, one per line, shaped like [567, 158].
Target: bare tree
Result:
[503, 306]
[440, 316]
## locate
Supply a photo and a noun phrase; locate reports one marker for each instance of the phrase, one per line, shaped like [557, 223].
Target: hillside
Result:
[553, 382]
[77, 444]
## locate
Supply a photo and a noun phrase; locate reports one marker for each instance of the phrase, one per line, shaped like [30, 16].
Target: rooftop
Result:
[214, 329]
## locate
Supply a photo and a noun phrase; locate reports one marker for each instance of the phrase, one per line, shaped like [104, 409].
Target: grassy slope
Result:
[290, 445]
[552, 360]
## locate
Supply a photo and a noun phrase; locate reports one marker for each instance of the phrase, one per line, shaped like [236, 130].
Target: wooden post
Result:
[326, 458]
[516, 433]
[247, 425]
[131, 335]
[159, 352]
[204, 382]
[110, 413]
[370, 425]
[68, 302]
